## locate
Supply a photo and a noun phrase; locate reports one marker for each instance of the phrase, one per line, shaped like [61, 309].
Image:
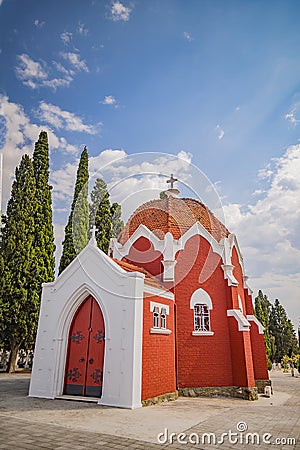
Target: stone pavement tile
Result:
[278, 416]
[55, 437]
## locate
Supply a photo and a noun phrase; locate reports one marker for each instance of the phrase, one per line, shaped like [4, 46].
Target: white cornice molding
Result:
[246, 286]
[228, 274]
[152, 290]
[254, 319]
[121, 251]
[243, 324]
[167, 246]
[233, 242]
[104, 260]
[198, 229]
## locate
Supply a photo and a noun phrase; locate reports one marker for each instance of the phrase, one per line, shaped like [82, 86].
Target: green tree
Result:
[44, 237]
[20, 268]
[282, 329]
[117, 222]
[77, 228]
[262, 312]
[101, 214]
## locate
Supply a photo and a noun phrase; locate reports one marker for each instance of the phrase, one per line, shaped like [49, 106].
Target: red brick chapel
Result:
[209, 342]
[168, 311]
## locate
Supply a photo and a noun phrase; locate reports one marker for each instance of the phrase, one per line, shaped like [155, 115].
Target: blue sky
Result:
[213, 83]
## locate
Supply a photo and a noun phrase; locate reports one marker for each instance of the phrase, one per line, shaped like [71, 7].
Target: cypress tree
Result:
[20, 268]
[100, 214]
[117, 223]
[262, 312]
[76, 230]
[280, 336]
[44, 237]
[283, 331]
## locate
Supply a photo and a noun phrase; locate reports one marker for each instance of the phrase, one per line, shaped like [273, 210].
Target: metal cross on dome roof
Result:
[172, 181]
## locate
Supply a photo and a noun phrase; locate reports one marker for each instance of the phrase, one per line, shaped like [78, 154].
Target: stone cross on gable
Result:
[94, 229]
[172, 181]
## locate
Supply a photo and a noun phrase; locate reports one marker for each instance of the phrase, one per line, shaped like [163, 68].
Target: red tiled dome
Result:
[175, 215]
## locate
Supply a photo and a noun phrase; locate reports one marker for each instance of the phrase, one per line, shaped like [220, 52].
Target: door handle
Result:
[91, 360]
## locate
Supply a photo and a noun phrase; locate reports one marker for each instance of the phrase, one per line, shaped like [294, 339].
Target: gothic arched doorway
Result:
[85, 355]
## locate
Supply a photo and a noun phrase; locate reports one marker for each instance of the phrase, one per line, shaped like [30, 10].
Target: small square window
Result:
[160, 312]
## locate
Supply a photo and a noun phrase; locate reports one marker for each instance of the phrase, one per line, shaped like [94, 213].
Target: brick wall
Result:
[202, 360]
[241, 353]
[259, 354]
[158, 373]
[241, 348]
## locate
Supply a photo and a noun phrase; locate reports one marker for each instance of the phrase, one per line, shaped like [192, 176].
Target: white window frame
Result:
[201, 298]
[163, 319]
[160, 313]
[156, 317]
[201, 317]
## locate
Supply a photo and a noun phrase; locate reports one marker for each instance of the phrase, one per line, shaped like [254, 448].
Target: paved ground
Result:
[218, 423]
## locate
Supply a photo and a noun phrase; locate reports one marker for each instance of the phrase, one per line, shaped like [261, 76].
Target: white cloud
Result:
[120, 11]
[291, 115]
[75, 61]
[58, 82]
[19, 136]
[266, 172]
[135, 179]
[109, 100]
[29, 69]
[66, 37]
[60, 68]
[59, 118]
[63, 181]
[269, 231]
[220, 132]
[187, 36]
[81, 29]
[104, 158]
[186, 156]
[36, 74]
[39, 23]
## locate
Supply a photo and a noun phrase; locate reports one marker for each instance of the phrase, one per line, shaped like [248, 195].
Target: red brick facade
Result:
[202, 360]
[158, 373]
[232, 352]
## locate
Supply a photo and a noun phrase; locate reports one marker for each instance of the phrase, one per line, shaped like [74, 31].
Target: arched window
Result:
[156, 321]
[201, 304]
[201, 317]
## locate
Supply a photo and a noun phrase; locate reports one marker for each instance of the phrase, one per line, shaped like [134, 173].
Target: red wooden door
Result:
[85, 357]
